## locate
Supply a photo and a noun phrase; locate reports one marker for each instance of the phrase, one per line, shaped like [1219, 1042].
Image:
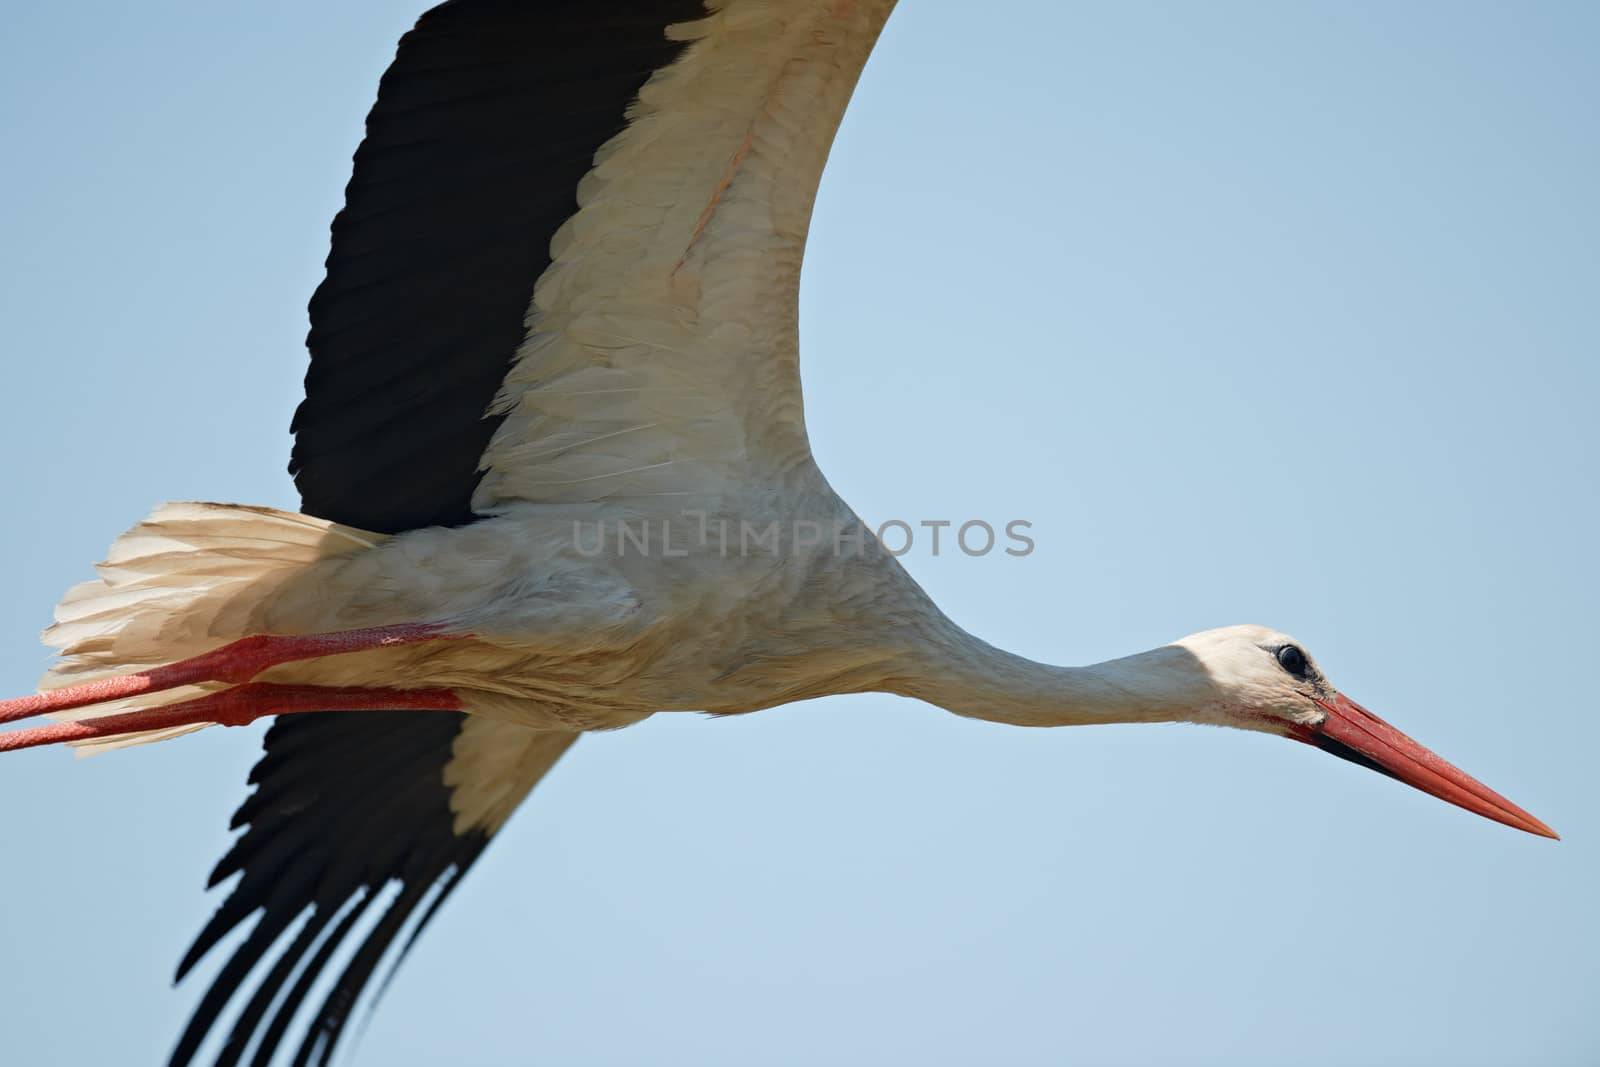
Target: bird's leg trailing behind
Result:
[238, 706]
[234, 663]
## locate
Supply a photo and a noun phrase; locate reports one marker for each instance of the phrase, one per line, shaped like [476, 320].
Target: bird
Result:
[555, 478]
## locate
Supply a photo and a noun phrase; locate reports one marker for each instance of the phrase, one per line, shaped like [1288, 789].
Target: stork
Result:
[555, 478]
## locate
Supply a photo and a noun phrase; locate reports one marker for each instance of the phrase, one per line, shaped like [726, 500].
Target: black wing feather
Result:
[485, 122]
[484, 125]
[322, 841]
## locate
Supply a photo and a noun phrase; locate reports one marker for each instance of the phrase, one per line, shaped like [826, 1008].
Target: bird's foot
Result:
[235, 707]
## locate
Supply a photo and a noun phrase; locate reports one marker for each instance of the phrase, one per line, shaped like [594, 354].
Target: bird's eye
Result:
[1293, 660]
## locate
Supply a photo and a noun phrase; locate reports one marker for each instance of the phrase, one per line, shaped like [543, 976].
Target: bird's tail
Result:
[183, 581]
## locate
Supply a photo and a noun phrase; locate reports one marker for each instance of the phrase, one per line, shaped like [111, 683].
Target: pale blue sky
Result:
[1279, 313]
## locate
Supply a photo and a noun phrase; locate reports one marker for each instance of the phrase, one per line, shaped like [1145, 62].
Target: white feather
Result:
[177, 585]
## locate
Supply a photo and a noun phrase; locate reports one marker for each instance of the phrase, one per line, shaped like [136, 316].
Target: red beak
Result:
[1352, 732]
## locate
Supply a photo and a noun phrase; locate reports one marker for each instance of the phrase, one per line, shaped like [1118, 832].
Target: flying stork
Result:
[555, 346]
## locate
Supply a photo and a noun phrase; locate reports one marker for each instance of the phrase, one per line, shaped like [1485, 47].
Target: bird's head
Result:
[1264, 680]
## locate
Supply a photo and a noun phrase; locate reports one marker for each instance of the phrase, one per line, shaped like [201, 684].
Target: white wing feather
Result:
[662, 354]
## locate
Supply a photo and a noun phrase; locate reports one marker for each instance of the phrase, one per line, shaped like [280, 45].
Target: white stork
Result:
[555, 478]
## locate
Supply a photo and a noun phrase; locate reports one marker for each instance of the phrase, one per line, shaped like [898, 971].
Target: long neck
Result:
[950, 668]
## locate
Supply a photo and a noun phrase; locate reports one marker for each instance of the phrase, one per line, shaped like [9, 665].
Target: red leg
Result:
[236, 707]
[234, 663]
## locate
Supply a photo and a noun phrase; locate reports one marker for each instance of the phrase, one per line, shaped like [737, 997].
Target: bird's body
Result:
[562, 616]
[555, 478]
[594, 617]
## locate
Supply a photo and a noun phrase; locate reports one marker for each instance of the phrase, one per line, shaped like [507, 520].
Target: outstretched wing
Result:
[361, 824]
[485, 124]
[662, 354]
[663, 339]
[590, 215]
[567, 268]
